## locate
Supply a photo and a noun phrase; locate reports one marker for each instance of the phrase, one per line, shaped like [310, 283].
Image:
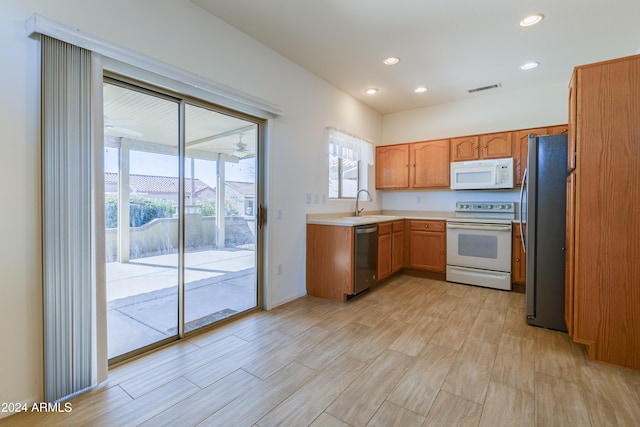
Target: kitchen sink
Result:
[365, 219]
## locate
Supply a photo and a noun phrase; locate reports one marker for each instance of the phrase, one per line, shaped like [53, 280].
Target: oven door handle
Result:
[492, 227]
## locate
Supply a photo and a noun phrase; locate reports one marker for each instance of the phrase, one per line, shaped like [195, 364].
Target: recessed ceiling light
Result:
[421, 89]
[531, 20]
[392, 60]
[372, 91]
[529, 65]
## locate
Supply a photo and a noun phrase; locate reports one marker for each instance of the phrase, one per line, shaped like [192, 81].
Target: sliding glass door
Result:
[180, 210]
[220, 216]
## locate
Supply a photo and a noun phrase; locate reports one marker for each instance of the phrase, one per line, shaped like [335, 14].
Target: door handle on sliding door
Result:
[261, 216]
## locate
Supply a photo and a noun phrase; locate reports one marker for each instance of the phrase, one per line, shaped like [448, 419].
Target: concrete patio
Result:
[142, 295]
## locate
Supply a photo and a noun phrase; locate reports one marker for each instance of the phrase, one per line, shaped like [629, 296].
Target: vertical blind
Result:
[68, 273]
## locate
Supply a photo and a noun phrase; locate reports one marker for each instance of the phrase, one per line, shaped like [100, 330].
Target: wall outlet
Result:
[316, 198]
[419, 199]
[279, 269]
[308, 198]
[279, 213]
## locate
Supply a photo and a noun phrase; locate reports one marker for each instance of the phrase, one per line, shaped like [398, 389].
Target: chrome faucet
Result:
[358, 198]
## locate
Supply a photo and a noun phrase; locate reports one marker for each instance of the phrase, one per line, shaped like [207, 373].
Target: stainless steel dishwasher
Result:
[366, 257]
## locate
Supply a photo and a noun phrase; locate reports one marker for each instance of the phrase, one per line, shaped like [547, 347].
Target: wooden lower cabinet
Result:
[427, 245]
[330, 261]
[397, 246]
[390, 248]
[384, 250]
[518, 259]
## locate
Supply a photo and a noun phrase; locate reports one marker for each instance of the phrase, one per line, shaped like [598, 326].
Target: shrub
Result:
[208, 208]
[141, 210]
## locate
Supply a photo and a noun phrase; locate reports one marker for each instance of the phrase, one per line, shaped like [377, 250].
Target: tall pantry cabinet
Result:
[603, 211]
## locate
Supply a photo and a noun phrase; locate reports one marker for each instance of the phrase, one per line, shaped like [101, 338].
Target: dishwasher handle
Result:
[362, 229]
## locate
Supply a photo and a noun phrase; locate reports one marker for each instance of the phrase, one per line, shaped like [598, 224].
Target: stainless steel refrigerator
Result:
[544, 188]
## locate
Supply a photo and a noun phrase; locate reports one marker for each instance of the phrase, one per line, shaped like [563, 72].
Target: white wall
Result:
[491, 112]
[179, 33]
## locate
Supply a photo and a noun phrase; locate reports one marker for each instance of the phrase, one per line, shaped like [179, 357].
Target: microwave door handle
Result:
[522, 186]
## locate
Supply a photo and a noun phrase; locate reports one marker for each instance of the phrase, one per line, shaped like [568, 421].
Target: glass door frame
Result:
[182, 100]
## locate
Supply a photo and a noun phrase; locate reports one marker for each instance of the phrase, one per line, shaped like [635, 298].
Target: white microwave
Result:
[482, 174]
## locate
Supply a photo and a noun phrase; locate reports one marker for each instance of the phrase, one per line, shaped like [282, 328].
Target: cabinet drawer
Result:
[398, 226]
[423, 225]
[384, 228]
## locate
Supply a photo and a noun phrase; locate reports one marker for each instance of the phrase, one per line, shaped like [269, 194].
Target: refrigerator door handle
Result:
[524, 181]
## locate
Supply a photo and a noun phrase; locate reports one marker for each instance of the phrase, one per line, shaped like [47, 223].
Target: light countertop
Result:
[349, 220]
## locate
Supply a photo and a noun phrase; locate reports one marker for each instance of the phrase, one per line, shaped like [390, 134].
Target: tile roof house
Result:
[240, 195]
[160, 187]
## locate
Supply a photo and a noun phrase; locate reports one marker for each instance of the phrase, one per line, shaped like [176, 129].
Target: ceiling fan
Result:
[241, 148]
[121, 126]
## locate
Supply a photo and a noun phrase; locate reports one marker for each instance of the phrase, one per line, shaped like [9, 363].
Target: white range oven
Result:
[479, 244]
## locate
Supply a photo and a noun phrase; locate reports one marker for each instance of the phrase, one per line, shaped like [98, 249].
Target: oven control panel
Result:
[495, 210]
[485, 207]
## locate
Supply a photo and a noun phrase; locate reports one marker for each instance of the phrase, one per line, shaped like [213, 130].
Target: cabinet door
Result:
[397, 251]
[429, 164]
[465, 148]
[573, 118]
[392, 166]
[558, 130]
[330, 261]
[570, 252]
[521, 151]
[496, 145]
[384, 256]
[427, 251]
[518, 261]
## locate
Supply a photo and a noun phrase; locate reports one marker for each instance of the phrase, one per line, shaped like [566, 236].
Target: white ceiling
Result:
[449, 46]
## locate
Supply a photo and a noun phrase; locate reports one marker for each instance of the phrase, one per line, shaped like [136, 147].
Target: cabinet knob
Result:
[426, 226]
[475, 147]
[517, 259]
[441, 252]
[485, 146]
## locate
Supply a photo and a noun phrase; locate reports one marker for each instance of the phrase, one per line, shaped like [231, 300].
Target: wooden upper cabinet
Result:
[392, 166]
[465, 148]
[487, 146]
[558, 130]
[496, 145]
[521, 147]
[429, 164]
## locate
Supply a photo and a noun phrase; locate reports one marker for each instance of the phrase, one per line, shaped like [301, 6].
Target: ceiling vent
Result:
[478, 89]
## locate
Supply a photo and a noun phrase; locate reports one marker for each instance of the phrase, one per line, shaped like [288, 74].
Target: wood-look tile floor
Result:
[411, 352]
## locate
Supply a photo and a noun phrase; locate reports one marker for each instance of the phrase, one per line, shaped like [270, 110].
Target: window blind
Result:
[68, 253]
